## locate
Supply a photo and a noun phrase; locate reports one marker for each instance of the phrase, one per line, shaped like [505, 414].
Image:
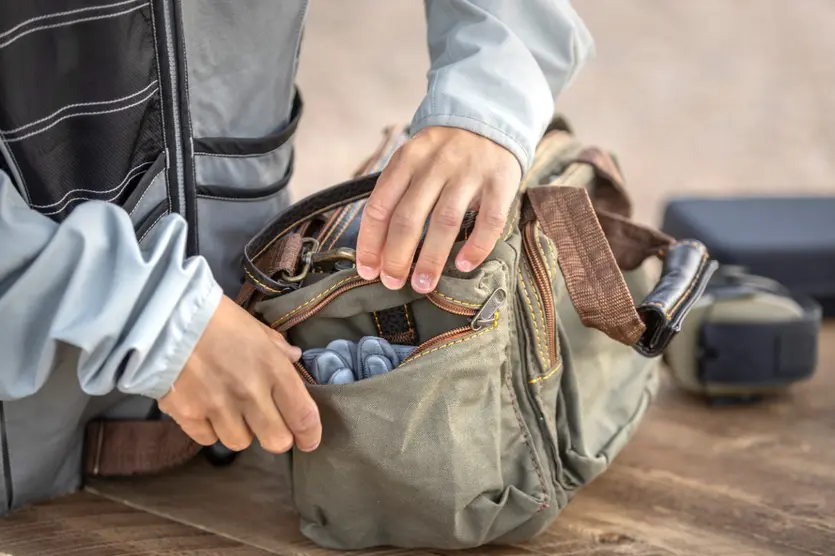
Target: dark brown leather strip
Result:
[594, 281]
[632, 243]
[123, 448]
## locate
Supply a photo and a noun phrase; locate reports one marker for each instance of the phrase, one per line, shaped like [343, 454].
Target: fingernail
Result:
[391, 282]
[422, 283]
[464, 265]
[295, 353]
[366, 272]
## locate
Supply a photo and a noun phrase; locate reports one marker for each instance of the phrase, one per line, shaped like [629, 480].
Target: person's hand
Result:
[240, 382]
[441, 171]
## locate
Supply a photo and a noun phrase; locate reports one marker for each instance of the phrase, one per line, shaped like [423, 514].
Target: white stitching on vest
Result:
[67, 116]
[118, 189]
[78, 105]
[66, 23]
[68, 12]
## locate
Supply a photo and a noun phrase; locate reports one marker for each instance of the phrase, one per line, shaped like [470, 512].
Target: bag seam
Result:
[527, 440]
[456, 342]
[350, 218]
[533, 318]
[306, 303]
[163, 131]
[463, 303]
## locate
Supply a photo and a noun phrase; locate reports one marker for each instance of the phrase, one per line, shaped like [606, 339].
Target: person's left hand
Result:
[441, 171]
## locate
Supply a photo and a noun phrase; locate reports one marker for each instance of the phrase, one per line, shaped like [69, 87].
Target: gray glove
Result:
[343, 361]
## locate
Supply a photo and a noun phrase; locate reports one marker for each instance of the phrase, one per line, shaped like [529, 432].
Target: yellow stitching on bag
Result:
[549, 375]
[512, 223]
[461, 341]
[408, 320]
[550, 245]
[463, 303]
[539, 302]
[548, 267]
[265, 286]
[303, 305]
[377, 321]
[519, 421]
[533, 318]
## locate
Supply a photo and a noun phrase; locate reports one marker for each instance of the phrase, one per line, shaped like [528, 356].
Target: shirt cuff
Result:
[495, 131]
[184, 330]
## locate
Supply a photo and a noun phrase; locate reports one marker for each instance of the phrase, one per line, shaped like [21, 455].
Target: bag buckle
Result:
[310, 257]
[334, 255]
[310, 245]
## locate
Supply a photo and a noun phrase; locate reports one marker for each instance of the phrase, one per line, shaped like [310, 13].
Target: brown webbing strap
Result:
[592, 275]
[122, 448]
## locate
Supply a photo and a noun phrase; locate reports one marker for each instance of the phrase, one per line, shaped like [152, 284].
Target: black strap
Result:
[397, 325]
[295, 214]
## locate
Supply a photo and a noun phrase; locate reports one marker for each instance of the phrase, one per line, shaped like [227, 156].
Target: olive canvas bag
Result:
[528, 375]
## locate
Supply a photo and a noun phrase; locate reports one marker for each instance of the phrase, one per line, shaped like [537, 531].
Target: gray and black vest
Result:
[159, 106]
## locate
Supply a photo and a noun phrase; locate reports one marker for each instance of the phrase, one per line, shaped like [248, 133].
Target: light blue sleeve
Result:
[126, 317]
[497, 67]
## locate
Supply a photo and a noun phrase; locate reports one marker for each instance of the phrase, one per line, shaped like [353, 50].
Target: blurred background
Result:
[712, 97]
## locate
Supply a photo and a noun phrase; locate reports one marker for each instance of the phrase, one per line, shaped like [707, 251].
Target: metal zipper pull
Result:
[487, 313]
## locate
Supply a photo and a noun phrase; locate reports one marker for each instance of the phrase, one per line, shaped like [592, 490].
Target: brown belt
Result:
[123, 448]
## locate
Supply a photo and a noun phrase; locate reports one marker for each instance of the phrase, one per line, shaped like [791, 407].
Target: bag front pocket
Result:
[431, 454]
[434, 453]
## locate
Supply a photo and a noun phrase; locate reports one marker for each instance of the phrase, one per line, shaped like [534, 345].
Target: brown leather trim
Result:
[281, 256]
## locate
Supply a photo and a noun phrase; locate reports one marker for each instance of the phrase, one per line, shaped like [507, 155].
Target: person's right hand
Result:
[240, 382]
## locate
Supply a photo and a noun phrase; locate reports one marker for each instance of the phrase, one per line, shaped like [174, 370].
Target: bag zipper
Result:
[543, 285]
[289, 321]
[306, 376]
[481, 317]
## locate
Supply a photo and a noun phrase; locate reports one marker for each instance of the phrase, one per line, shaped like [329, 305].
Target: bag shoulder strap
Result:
[592, 249]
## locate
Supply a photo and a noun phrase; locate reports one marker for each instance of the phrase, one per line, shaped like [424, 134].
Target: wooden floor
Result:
[715, 97]
[696, 481]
